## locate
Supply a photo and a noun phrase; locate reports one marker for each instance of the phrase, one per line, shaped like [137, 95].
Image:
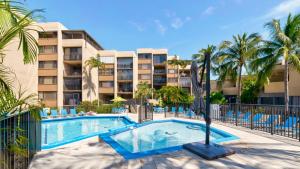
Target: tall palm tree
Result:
[284, 45]
[94, 62]
[200, 58]
[17, 22]
[234, 56]
[143, 91]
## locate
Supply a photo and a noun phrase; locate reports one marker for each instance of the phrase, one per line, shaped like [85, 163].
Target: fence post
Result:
[272, 120]
[251, 117]
[236, 114]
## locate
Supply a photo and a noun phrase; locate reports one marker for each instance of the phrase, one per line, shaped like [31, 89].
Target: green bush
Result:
[87, 106]
[104, 108]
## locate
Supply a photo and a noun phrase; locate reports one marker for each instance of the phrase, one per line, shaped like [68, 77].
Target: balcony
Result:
[185, 82]
[125, 75]
[160, 71]
[274, 87]
[73, 56]
[47, 87]
[72, 99]
[144, 61]
[47, 41]
[47, 57]
[106, 90]
[71, 84]
[73, 74]
[159, 81]
[125, 66]
[106, 78]
[125, 88]
[47, 72]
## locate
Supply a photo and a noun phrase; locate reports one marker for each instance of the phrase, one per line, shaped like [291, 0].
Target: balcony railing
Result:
[73, 56]
[160, 71]
[125, 77]
[125, 66]
[185, 82]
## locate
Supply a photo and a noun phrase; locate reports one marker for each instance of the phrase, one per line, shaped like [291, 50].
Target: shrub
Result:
[87, 106]
[104, 108]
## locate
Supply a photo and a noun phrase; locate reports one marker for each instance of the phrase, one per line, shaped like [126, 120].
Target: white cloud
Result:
[209, 10]
[160, 27]
[176, 23]
[140, 27]
[283, 9]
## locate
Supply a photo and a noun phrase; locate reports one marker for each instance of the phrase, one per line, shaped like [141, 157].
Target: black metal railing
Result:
[268, 118]
[20, 139]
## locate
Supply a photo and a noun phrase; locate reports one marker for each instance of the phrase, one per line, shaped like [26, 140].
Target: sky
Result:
[181, 26]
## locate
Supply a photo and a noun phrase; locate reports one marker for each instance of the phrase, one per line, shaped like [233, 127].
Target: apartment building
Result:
[273, 92]
[60, 77]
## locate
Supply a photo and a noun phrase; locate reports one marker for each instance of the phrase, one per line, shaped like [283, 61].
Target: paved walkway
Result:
[253, 151]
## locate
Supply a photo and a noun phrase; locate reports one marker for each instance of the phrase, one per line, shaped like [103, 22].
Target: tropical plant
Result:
[201, 60]
[250, 90]
[235, 56]
[172, 95]
[284, 45]
[143, 91]
[16, 22]
[87, 106]
[217, 98]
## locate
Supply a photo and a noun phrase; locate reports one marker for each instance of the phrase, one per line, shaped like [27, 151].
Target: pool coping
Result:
[131, 123]
[106, 137]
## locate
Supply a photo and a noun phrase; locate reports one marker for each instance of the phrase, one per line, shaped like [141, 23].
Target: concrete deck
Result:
[252, 151]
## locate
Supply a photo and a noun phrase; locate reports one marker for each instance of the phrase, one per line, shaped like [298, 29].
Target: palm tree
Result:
[16, 22]
[94, 62]
[200, 58]
[234, 56]
[284, 45]
[143, 91]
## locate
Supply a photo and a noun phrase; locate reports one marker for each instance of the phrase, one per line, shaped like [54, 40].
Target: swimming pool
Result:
[57, 132]
[158, 137]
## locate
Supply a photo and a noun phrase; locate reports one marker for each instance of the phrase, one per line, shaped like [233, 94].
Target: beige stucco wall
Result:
[90, 83]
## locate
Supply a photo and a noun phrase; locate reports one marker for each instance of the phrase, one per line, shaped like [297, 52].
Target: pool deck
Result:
[252, 151]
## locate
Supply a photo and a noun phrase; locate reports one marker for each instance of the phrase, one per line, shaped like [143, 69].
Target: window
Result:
[47, 64]
[106, 84]
[107, 59]
[44, 35]
[172, 71]
[73, 53]
[106, 72]
[144, 77]
[125, 63]
[47, 80]
[144, 66]
[49, 49]
[159, 59]
[47, 95]
[144, 56]
[72, 35]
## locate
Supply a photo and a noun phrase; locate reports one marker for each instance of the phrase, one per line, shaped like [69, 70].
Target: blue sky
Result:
[182, 26]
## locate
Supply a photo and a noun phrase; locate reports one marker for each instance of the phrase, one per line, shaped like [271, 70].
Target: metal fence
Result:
[20, 139]
[268, 118]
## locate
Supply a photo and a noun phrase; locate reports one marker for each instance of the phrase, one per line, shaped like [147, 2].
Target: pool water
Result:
[57, 132]
[161, 135]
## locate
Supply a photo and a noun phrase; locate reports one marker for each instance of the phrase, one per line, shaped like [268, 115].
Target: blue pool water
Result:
[58, 132]
[160, 136]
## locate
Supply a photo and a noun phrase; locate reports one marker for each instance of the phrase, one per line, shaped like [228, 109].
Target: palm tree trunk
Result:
[286, 88]
[239, 86]
[178, 74]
